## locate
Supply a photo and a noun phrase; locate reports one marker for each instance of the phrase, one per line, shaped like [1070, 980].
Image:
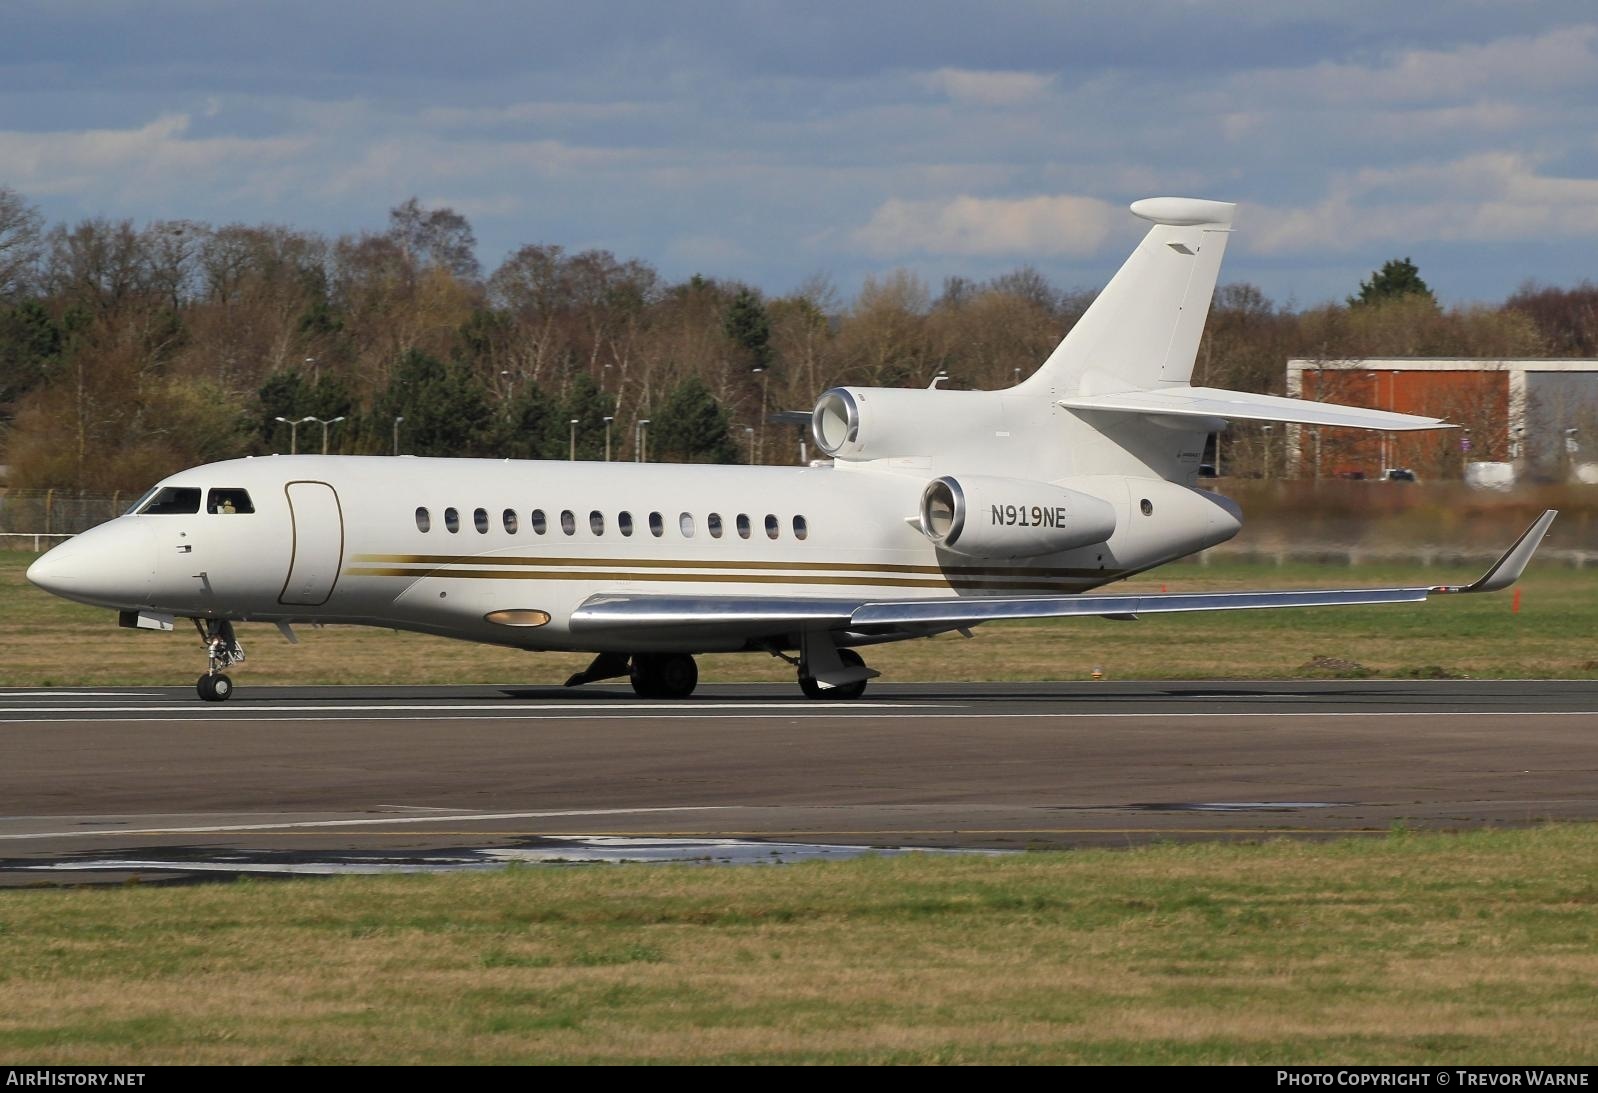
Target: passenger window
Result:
[713, 524]
[424, 520]
[685, 524]
[624, 521]
[228, 501]
[801, 529]
[568, 522]
[657, 526]
[452, 521]
[173, 501]
[480, 521]
[539, 526]
[743, 526]
[508, 517]
[771, 526]
[596, 522]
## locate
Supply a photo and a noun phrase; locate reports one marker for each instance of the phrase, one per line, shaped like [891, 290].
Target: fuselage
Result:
[504, 551]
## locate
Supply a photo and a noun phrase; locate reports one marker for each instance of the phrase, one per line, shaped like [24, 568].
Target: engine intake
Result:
[981, 516]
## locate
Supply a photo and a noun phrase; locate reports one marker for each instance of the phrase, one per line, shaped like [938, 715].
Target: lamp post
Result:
[316, 373]
[294, 431]
[397, 421]
[765, 385]
[640, 439]
[573, 452]
[608, 420]
[750, 430]
[326, 423]
[1267, 431]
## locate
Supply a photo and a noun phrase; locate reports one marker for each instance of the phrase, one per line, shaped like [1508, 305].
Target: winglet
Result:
[1507, 570]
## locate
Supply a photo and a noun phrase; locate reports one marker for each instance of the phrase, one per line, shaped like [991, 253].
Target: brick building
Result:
[1539, 415]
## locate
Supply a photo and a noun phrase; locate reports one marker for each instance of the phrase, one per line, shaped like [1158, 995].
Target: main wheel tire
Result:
[664, 675]
[813, 689]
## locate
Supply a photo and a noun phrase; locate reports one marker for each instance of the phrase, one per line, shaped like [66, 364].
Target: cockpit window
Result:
[173, 501]
[228, 501]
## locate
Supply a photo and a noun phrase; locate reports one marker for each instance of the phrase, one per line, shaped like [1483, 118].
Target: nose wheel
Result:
[215, 688]
[222, 649]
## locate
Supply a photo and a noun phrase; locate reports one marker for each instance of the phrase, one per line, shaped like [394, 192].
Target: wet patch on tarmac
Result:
[207, 863]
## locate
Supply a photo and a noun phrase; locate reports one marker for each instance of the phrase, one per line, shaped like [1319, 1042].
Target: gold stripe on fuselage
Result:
[963, 572]
[842, 580]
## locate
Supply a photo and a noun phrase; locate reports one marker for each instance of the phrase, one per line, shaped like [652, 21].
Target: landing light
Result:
[517, 616]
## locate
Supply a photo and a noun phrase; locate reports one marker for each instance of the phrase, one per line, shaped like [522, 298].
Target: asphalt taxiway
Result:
[102, 784]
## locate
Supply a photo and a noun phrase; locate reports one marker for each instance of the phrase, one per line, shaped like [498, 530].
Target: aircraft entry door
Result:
[318, 543]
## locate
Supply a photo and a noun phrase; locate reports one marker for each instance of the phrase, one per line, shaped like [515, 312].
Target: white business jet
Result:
[936, 511]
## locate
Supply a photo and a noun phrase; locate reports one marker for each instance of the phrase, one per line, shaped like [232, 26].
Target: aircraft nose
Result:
[112, 565]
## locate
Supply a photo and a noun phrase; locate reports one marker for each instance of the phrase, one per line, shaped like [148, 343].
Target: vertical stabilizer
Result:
[1143, 330]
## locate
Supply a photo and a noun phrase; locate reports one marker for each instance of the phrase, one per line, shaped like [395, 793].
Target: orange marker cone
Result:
[1514, 608]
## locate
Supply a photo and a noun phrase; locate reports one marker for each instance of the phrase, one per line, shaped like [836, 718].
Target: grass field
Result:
[45, 641]
[1402, 948]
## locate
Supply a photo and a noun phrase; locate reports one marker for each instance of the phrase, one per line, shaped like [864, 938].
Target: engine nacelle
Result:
[985, 517]
[857, 424]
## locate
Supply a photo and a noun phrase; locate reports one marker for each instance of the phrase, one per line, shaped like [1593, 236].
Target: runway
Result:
[104, 784]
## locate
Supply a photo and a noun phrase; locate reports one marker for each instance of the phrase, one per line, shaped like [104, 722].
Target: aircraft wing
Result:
[1212, 402]
[781, 615]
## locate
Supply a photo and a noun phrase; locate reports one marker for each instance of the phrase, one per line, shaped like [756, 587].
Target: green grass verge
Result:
[1401, 948]
[45, 641]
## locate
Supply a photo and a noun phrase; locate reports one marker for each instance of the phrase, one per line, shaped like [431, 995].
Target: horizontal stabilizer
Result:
[1212, 402]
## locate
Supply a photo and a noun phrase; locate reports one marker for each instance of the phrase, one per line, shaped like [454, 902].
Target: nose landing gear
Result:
[222, 649]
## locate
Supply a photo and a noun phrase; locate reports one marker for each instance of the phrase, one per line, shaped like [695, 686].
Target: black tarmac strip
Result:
[104, 784]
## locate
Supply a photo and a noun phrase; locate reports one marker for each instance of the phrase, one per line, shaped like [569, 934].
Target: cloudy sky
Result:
[769, 141]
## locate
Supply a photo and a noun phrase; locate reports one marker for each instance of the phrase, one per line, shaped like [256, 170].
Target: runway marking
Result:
[82, 694]
[223, 829]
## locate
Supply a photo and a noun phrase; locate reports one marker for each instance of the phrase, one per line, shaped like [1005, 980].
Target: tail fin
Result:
[1143, 330]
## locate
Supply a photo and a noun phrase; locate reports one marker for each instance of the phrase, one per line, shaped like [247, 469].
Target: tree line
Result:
[128, 352]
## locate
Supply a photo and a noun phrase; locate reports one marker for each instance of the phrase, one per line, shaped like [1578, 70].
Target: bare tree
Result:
[435, 237]
[21, 239]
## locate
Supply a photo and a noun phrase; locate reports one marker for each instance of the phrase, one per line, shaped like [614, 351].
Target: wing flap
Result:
[1212, 402]
[621, 611]
[967, 611]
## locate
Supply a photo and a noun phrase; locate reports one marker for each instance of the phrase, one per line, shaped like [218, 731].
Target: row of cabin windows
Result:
[624, 523]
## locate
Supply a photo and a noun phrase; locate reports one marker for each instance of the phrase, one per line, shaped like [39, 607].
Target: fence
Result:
[56, 513]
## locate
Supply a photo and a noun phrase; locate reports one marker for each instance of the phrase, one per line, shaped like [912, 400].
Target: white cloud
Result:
[1505, 67]
[138, 160]
[1042, 225]
[1490, 197]
[985, 88]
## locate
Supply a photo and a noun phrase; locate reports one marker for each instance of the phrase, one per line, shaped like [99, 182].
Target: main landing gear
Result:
[825, 672]
[850, 660]
[222, 649]
[653, 675]
[664, 675]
